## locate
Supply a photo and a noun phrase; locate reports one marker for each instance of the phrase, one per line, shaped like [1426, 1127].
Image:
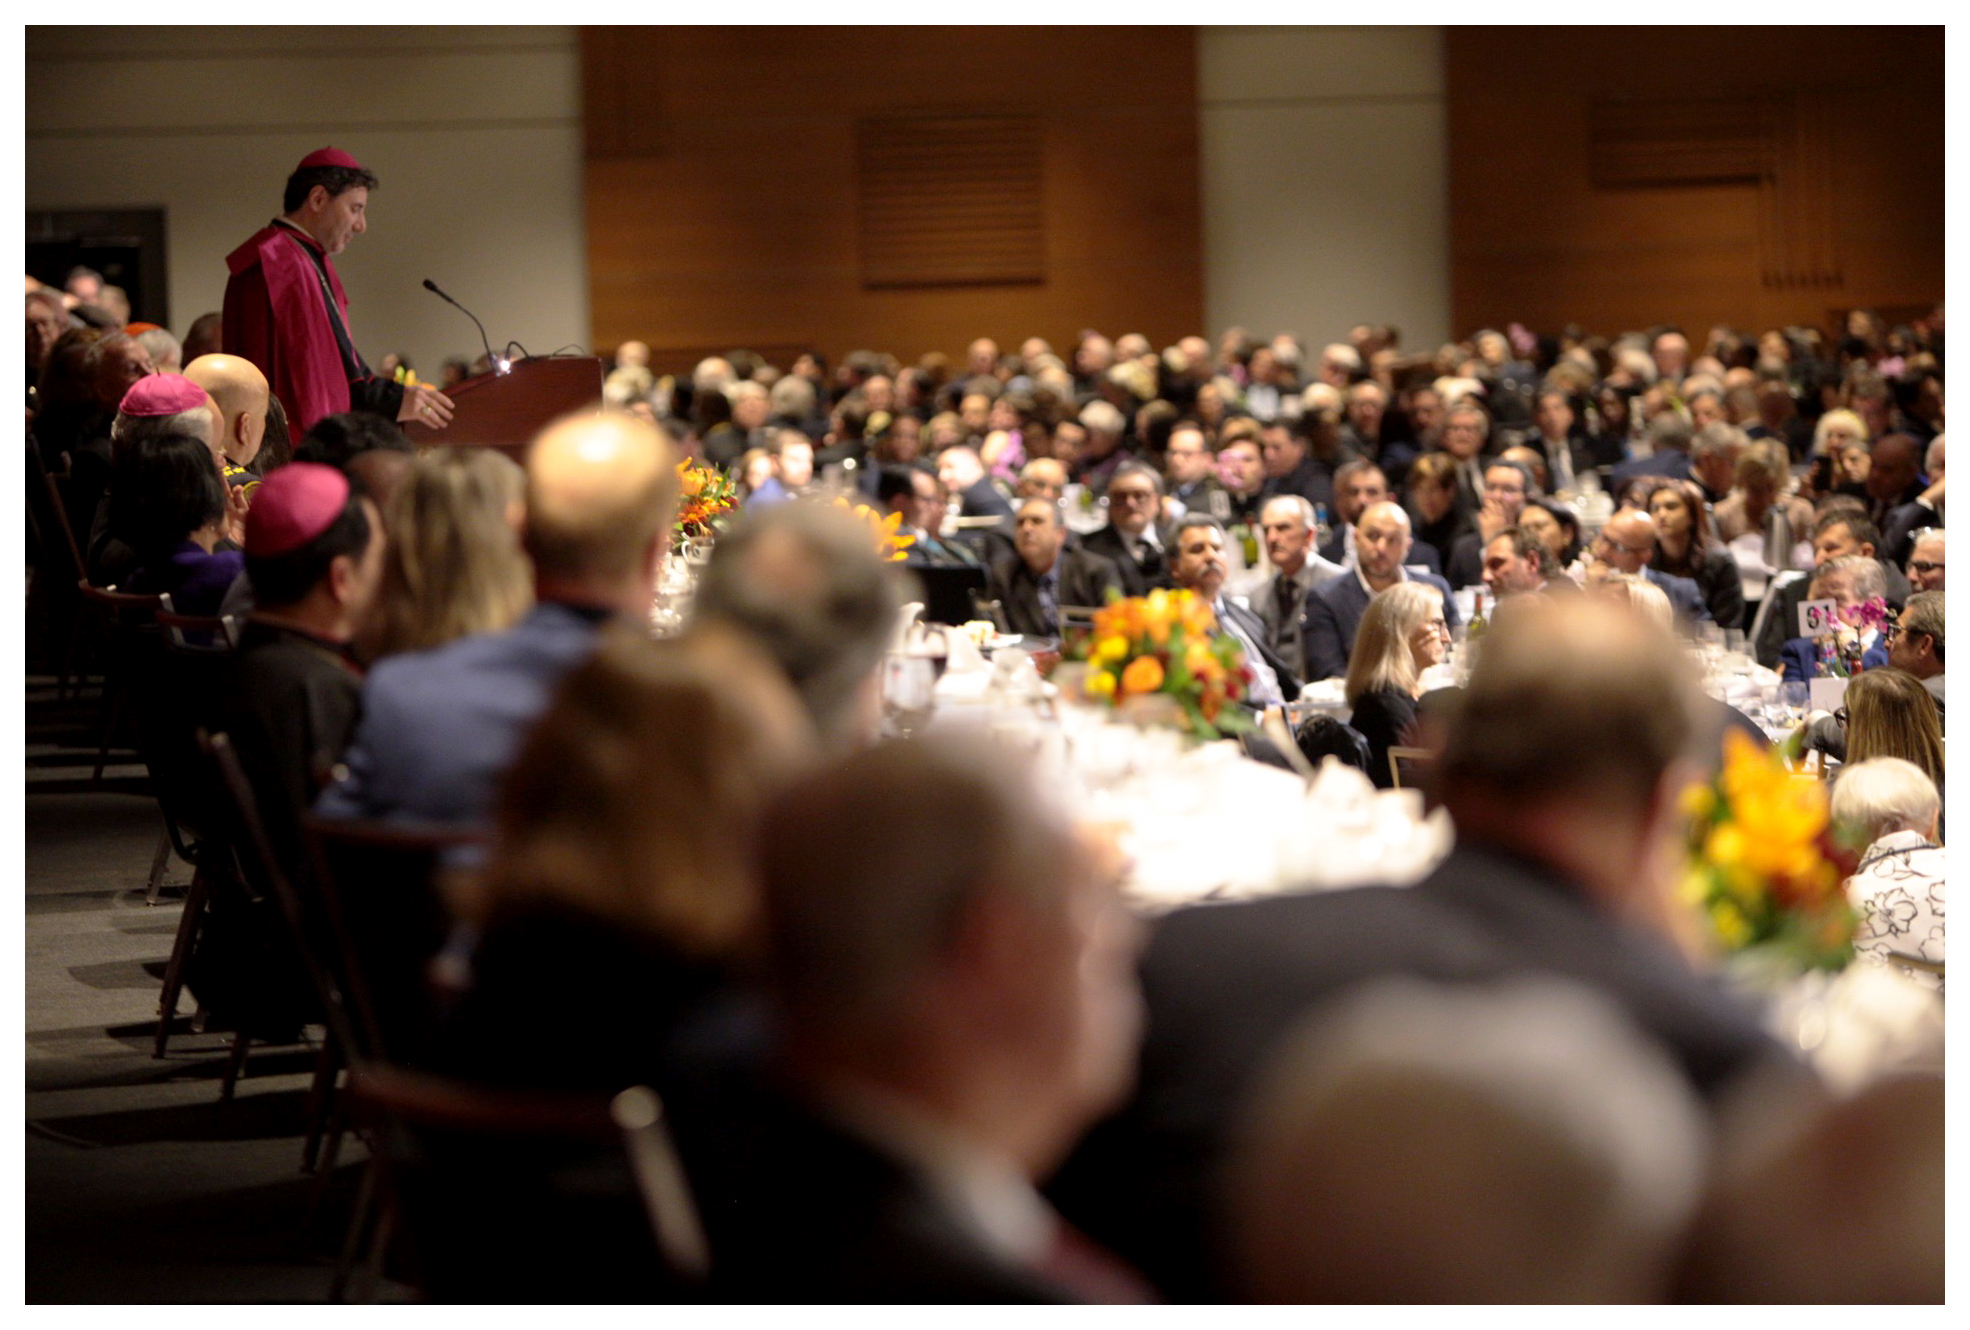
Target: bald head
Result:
[1381, 541]
[239, 392]
[1627, 542]
[601, 495]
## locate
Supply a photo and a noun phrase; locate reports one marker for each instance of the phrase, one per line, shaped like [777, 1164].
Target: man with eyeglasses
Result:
[1507, 486]
[1838, 534]
[1132, 540]
[1925, 560]
[1915, 643]
[1627, 545]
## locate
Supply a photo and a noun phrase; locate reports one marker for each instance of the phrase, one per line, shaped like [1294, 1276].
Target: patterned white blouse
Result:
[1899, 891]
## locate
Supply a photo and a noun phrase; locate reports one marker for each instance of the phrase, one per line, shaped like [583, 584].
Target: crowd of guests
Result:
[911, 1044]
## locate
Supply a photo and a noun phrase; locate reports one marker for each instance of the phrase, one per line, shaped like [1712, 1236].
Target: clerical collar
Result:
[294, 230]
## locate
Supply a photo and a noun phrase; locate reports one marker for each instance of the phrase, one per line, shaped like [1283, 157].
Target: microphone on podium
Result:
[500, 364]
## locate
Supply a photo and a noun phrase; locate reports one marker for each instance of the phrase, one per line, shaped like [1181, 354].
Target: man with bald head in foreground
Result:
[440, 727]
[240, 391]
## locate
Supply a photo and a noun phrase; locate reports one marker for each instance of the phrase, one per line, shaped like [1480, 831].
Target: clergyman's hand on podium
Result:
[424, 405]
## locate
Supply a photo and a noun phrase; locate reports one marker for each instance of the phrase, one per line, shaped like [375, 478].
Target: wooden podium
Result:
[505, 411]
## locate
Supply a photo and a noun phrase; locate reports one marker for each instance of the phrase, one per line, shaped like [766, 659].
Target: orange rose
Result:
[1144, 675]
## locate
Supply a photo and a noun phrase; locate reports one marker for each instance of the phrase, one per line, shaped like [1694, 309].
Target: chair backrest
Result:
[380, 889]
[1410, 758]
[57, 516]
[509, 1195]
[1324, 736]
[196, 632]
[246, 837]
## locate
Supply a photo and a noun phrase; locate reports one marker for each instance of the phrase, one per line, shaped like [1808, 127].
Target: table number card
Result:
[1817, 617]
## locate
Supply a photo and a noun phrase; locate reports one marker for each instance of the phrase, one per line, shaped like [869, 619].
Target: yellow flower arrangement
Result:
[1167, 642]
[888, 544]
[706, 495]
[1764, 865]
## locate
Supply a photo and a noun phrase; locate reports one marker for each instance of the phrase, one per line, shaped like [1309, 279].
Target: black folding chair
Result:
[502, 1195]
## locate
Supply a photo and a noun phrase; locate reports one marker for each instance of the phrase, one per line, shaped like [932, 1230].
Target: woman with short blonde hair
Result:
[452, 564]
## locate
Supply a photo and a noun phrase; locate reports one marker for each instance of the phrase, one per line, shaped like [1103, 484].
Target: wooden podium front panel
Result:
[506, 411]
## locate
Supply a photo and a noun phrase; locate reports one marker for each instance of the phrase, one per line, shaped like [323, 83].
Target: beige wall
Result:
[475, 133]
[1323, 178]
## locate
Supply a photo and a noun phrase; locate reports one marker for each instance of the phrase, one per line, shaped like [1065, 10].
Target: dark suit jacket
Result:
[1311, 480]
[1225, 982]
[1782, 623]
[983, 499]
[1685, 597]
[1137, 578]
[1254, 628]
[1797, 657]
[1899, 527]
[1466, 566]
[1333, 613]
[1669, 462]
[1084, 579]
[798, 1209]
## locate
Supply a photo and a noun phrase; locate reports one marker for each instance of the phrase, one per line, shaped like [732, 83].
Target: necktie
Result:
[1285, 613]
[1049, 598]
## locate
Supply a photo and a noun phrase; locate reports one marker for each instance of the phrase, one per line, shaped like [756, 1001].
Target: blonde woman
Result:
[453, 563]
[1402, 633]
[1842, 435]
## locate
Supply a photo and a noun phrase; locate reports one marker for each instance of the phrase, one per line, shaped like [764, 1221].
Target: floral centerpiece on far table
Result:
[881, 529]
[1764, 863]
[707, 495]
[1167, 643]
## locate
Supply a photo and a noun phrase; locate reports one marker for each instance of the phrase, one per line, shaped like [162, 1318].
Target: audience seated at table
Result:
[886, 989]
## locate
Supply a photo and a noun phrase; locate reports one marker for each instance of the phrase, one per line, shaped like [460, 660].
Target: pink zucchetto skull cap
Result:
[161, 395]
[292, 506]
[329, 157]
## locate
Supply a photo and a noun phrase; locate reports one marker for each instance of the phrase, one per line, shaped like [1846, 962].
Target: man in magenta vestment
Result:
[285, 310]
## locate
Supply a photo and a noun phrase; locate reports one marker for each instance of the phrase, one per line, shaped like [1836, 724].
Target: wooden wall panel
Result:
[1846, 210]
[721, 199]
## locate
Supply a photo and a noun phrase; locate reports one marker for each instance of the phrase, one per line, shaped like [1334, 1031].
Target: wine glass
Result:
[908, 692]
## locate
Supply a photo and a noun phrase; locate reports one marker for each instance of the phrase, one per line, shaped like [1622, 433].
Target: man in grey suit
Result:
[440, 727]
[1288, 524]
[1333, 611]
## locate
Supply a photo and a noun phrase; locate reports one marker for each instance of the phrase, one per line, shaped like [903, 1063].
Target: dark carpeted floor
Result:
[142, 1185]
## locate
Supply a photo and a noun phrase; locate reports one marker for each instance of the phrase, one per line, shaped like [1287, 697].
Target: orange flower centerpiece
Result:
[706, 495]
[1764, 864]
[1167, 643]
[882, 530]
